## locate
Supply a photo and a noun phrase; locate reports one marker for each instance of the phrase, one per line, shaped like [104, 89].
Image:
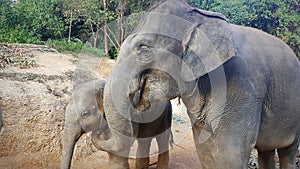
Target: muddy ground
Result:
[35, 85]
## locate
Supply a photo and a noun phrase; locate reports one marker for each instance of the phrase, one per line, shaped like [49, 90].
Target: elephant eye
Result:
[143, 47]
[85, 114]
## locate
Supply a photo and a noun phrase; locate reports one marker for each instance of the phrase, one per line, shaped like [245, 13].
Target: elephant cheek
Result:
[88, 124]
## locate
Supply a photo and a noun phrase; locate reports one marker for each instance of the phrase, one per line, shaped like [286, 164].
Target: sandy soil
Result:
[33, 101]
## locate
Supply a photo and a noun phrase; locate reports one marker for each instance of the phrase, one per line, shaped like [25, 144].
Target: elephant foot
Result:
[142, 163]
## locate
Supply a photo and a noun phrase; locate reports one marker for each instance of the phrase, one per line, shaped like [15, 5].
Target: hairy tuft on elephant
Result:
[239, 84]
[84, 113]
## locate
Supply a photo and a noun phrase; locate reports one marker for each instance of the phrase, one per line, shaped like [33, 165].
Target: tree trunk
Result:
[70, 25]
[105, 28]
[121, 12]
[95, 38]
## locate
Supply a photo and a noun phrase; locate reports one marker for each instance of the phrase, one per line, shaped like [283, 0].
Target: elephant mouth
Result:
[152, 86]
[102, 134]
[139, 98]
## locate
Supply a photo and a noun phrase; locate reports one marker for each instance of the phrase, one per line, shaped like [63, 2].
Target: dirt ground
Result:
[33, 99]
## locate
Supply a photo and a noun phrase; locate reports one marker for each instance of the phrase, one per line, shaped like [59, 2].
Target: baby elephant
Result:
[85, 113]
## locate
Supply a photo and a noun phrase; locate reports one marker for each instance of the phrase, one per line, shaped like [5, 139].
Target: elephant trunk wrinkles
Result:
[119, 121]
[70, 137]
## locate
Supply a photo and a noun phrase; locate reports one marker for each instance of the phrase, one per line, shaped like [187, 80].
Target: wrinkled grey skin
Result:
[84, 113]
[159, 129]
[240, 85]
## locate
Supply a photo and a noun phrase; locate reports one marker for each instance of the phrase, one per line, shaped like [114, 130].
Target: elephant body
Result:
[239, 84]
[84, 113]
[261, 109]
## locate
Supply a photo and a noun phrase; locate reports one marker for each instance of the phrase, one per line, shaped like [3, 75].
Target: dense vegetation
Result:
[88, 21]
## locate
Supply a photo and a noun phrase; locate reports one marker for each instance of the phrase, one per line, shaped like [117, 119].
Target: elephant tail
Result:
[171, 140]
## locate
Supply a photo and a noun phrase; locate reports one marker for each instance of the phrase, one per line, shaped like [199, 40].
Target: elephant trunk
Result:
[71, 134]
[117, 110]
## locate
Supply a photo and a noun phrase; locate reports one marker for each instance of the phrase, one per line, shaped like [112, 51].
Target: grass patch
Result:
[93, 51]
[63, 46]
[75, 48]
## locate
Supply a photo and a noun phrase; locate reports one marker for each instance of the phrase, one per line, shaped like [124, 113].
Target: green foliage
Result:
[33, 21]
[63, 46]
[74, 47]
[139, 6]
[93, 51]
[30, 21]
[113, 53]
[205, 4]
[89, 15]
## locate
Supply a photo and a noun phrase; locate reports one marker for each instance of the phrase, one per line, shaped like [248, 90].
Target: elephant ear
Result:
[99, 89]
[207, 45]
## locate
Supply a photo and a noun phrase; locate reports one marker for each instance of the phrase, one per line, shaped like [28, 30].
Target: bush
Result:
[113, 53]
[93, 51]
[63, 45]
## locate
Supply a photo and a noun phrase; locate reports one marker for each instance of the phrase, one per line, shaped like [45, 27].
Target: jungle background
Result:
[103, 24]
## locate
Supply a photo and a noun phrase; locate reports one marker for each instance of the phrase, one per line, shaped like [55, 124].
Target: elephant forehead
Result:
[166, 24]
[85, 101]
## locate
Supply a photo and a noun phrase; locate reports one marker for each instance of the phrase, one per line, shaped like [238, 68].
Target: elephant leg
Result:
[223, 150]
[266, 159]
[163, 146]
[287, 156]
[117, 162]
[163, 160]
[142, 154]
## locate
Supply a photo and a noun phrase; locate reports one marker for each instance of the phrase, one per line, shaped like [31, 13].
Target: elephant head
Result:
[173, 45]
[84, 113]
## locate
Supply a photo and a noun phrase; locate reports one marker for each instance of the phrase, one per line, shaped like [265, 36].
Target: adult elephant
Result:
[240, 85]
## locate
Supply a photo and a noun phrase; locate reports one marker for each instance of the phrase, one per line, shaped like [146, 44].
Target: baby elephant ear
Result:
[99, 89]
[207, 46]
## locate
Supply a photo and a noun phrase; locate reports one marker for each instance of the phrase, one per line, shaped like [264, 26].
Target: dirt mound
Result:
[33, 100]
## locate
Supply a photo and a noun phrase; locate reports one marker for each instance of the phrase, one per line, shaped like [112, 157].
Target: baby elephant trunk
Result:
[71, 135]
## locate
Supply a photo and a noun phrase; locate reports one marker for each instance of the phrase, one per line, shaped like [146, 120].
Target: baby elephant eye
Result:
[85, 114]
